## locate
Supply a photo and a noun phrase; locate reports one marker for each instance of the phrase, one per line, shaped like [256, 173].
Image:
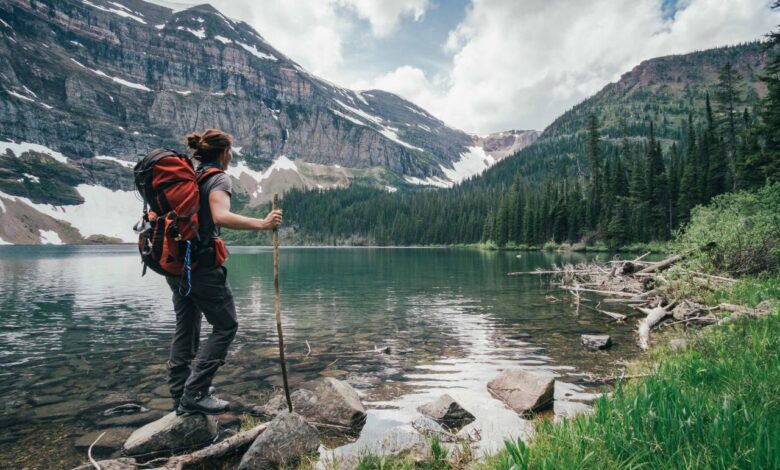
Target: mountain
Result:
[500, 145]
[663, 90]
[634, 132]
[86, 86]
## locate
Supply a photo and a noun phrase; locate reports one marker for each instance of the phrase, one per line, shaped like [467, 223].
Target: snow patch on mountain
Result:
[20, 96]
[223, 39]
[241, 168]
[20, 148]
[50, 237]
[198, 33]
[118, 80]
[472, 162]
[253, 50]
[280, 164]
[347, 117]
[118, 12]
[387, 131]
[103, 212]
[429, 181]
[124, 163]
[32, 178]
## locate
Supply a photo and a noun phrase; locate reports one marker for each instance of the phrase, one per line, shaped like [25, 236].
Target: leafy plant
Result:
[736, 233]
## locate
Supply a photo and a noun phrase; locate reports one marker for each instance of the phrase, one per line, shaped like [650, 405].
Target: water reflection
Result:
[78, 325]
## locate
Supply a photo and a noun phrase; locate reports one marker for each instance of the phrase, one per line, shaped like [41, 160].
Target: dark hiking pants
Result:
[190, 366]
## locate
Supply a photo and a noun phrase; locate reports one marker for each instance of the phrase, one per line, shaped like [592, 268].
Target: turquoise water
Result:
[79, 325]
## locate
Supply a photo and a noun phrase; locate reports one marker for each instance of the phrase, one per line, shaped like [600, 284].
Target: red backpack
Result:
[168, 237]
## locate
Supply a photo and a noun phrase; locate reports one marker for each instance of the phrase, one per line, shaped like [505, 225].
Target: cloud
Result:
[520, 64]
[314, 32]
[385, 15]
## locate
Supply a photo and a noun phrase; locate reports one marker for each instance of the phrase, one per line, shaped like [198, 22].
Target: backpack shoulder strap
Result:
[207, 173]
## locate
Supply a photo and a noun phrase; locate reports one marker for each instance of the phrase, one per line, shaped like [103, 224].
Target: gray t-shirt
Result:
[216, 182]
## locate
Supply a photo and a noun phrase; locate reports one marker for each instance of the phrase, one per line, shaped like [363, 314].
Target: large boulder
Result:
[287, 439]
[447, 412]
[172, 432]
[329, 403]
[523, 390]
[596, 341]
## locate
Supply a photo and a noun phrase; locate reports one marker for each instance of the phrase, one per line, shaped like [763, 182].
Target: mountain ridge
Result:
[89, 85]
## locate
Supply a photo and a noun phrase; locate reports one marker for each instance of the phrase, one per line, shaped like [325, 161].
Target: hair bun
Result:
[194, 140]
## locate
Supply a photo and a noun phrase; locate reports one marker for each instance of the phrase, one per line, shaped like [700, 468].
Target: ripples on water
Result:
[79, 323]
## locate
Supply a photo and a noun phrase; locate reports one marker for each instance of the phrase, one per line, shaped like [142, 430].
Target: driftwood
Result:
[89, 452]
[660, 266]
[230, 446]
[625, 283]
[653, 317]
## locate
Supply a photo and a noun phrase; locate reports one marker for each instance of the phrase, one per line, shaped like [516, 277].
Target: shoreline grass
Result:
[713, 405]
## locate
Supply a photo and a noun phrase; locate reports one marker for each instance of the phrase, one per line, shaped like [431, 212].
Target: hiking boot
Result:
[201, 403]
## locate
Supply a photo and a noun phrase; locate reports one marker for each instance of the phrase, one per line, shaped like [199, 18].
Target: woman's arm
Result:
[219, 202]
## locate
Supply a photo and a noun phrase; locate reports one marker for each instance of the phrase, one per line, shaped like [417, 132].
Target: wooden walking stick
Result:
[278, 309]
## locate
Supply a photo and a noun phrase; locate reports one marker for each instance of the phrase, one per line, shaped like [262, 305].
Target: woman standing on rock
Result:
[191, 369]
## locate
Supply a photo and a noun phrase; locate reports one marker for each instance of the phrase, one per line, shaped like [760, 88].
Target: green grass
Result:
[748, 291]
[439, 460]
[716, 405]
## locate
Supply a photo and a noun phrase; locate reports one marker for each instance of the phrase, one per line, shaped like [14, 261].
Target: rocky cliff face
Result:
[500, 145]
[98, 77]
[86, 86]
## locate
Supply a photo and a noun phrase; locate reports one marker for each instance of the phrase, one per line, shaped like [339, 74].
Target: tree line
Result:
[629, 190]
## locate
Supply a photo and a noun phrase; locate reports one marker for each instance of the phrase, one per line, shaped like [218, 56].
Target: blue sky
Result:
[491, 65]
[417, 43]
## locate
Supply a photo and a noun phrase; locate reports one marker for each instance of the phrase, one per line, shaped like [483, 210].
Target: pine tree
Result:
[727, 94]
[656, 189]
[594, 158]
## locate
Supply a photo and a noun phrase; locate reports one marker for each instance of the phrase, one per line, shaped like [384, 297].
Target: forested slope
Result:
[625, 165]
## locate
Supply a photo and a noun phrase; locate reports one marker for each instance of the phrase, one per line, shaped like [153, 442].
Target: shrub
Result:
[737, 233]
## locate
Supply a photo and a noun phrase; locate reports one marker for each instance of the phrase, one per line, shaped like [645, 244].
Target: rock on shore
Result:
[172, 432]
[522, 390]
[596, 341]
[326, 402]
[447, 412]
[286, 440]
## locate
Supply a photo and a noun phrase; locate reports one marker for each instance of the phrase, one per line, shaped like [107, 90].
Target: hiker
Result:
[179, 238]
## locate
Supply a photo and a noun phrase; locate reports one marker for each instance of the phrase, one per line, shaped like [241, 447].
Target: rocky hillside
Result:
[664, 90]
[500, 145]
[88, 85]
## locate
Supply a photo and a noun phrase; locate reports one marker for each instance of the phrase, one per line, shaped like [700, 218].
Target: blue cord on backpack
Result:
[187, 272]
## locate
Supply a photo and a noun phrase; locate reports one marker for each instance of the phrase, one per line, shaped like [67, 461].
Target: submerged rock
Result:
[596, 341]
[447, 412]
[172, 432]
[326, 402]
[569, 409]
[286, 440]
[113, 464]
[522, 390]
[112, 440]
[137, 419]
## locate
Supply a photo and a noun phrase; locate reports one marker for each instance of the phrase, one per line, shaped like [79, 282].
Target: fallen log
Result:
[741, 309]
[230, 446]
[604, 292]
[559, 271]
[653, 317]
[661, 265]
[613, 315]
[613, 300]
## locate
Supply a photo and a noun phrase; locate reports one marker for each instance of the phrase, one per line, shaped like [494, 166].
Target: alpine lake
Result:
[81, 331]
